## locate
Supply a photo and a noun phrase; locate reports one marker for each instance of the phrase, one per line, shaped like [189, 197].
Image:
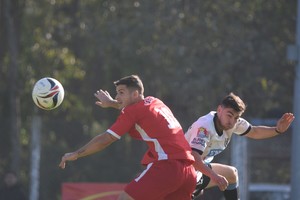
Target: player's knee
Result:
[233, 175]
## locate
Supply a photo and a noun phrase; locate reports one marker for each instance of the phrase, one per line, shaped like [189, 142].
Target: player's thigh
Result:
[157, 181]
[229, 172]
[187, 186]
[150, 184]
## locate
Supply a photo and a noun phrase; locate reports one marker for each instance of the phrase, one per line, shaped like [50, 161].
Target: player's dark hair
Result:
[132, 82]
[233, 101]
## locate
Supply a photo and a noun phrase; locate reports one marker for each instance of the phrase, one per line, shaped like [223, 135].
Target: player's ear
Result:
[136, 93]
[219, 109]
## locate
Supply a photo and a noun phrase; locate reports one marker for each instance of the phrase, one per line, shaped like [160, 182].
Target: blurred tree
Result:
[11, 24]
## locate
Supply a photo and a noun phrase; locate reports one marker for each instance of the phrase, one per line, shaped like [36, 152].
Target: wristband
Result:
[277, 131]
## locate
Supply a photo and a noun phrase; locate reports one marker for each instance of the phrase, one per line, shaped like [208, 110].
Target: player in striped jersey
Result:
[210, 135]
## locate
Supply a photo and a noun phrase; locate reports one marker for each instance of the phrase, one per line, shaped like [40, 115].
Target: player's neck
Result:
[218, 126]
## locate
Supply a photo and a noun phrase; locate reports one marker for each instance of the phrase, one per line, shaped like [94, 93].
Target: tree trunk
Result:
[14, 99]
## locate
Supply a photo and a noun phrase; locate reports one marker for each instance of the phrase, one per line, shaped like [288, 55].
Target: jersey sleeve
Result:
[197, 137]
[123, 124]
[242, 127]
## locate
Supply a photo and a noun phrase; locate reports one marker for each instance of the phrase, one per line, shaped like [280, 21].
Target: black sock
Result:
[231, 194]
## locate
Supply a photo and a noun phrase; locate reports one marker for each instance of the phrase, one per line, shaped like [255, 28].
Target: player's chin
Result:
[228, 128]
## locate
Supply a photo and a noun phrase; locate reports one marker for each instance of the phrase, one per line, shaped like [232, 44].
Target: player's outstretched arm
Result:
[263, 132]
[98, 143]
[105, 100]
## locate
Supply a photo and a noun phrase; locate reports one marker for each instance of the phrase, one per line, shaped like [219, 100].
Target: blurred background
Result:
[188, 53]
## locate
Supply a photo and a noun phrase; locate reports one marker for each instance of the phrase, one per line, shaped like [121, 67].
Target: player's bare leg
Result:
[125, 196]
[231, 174]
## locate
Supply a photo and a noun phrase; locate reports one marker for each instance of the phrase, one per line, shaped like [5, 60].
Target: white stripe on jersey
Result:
[113, 133]
[144, 172]
[161, 154]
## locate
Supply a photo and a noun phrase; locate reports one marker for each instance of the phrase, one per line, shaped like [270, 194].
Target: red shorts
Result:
[164, 180]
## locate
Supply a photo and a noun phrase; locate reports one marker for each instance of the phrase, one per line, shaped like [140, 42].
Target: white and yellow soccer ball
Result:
[48, 93]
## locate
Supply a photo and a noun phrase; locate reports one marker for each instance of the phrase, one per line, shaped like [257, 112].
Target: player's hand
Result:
[284, 122]
[105, 100]
[67, 157]
[221, 182]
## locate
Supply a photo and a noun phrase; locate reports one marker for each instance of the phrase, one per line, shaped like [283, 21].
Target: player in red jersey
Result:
[169, 173]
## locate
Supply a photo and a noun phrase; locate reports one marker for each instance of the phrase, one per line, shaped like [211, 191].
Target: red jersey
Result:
[152, 121]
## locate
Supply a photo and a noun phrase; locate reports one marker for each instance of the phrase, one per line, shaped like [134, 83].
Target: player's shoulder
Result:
[150, 100]
[242, 123]
[206, 119]
[148, 104]
[205, 122]
[144, 102]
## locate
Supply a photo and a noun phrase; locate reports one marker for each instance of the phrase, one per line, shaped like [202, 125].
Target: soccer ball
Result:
[48, 93]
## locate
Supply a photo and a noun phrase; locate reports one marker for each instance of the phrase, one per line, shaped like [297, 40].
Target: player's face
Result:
[228, 117]
[125, 96]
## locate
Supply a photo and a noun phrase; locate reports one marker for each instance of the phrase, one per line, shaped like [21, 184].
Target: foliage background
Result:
[188, 53]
